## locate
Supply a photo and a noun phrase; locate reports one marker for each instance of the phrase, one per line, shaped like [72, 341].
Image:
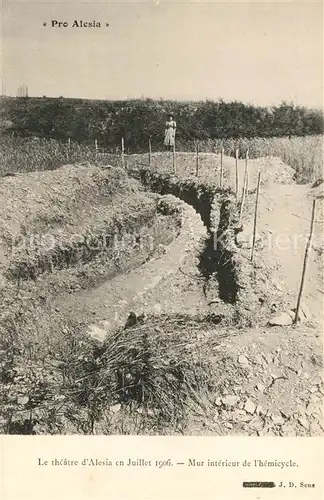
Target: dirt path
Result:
[270, 379]
[156, 286]
[273, 169]
[270, 384]
[283, 230]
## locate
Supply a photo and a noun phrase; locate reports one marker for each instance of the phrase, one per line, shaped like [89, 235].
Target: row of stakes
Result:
[244, 191]
[197, 161]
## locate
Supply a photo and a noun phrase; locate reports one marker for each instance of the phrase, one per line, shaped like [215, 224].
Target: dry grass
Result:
[18, 154]
[304, 154]
[147, 379]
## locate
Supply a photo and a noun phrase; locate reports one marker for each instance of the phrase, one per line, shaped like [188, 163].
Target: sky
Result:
[255, 52]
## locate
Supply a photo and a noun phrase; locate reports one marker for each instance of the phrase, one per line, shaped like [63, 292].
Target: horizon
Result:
[257, 53]
[162, 99]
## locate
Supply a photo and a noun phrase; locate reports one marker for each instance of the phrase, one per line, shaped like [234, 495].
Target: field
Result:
[124, 340]
[304, 154]
[65, 232]
[129, 300]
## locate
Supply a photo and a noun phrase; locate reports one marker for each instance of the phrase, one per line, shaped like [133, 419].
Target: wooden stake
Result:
[69, 143]
[245, 185]
[237, 176]
[173, 159]
[150, 152]
[197, 159]
[221, 169]
[123, 151]
[96, 144]
[306, 259]
[255, 216]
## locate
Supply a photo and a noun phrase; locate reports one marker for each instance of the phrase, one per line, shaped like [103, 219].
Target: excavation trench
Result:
[161, 364]
[217, 211]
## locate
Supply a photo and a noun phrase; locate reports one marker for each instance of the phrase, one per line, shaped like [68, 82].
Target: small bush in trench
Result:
[157, 373]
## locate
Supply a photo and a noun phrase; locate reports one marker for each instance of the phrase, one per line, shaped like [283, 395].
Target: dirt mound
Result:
[99, 225]
[39, 201]
[142, 289]
[273, 169]
[201, 372]
[59, 216]
[174, 374]
[271, 283]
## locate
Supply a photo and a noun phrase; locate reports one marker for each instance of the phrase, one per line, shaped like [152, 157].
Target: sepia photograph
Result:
[161, 221]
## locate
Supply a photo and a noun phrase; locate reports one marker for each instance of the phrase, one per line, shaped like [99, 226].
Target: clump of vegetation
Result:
[304, 154]
[21, 154]
[136, 120]
[157, 372]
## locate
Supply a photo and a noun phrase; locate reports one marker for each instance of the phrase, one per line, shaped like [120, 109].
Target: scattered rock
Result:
[261, 387]
[274, 307]
[97, 333]
[277, 419]
[249, 406]
[301, 409]
[314, 399]
[258, 359]
[277, 374]
[304, 423]
[256, 423]
[304, 313]
[228, 425]
[241, 416]
[285, 414]
[311, 408]
[259, 410]
[268, 358]
[315, 429]
[283, 319]
[218, 401]
[288, 430]
[291, 314]
[231, 400]
[243, 360]
[314, 409]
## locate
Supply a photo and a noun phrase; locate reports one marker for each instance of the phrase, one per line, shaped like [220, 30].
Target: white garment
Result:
[170, 129]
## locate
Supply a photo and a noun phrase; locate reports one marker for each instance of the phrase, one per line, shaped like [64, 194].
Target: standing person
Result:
[170, 130]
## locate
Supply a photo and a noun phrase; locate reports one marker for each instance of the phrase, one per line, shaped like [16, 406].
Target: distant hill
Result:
[136, 120]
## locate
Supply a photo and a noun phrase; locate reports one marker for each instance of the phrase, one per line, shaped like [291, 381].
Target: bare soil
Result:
[281, 376]
[267, 380]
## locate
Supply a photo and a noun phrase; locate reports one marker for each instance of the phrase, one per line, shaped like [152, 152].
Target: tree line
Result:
[137, 120]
